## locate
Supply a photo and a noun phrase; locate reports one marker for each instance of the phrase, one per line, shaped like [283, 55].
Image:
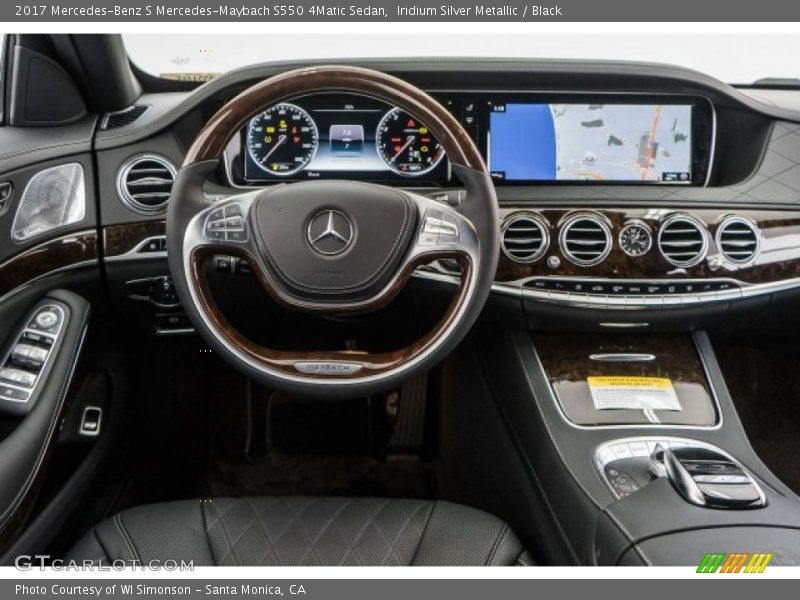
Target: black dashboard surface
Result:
[754, 138]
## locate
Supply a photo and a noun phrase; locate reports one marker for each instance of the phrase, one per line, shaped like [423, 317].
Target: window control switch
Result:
[90, 422]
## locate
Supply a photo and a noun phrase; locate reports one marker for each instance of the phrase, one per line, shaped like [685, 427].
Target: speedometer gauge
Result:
[406, 145]
[282, 140]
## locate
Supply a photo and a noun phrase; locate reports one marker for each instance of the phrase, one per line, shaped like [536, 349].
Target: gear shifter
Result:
[708, 478]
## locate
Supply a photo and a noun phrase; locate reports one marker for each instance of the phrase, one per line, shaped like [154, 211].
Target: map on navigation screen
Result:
[591, 142]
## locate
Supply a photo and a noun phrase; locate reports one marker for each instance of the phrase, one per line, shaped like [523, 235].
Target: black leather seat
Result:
[304, 531]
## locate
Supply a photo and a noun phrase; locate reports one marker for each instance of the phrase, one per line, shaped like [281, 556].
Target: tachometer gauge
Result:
[406, 145]
[282, 140]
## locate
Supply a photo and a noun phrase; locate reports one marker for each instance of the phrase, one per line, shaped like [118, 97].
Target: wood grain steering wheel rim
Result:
[468, 233]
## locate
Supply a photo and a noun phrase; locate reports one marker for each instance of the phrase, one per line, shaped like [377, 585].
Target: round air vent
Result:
[683, 241]
[144, 183]
[585, 240]
[524, 237]
[738, 240]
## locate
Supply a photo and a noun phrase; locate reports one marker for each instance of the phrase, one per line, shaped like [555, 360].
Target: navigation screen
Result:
[647, 143]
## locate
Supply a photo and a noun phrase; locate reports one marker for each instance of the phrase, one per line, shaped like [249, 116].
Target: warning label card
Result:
[633, 393]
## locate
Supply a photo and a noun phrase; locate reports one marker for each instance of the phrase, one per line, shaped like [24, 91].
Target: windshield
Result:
[733, 58]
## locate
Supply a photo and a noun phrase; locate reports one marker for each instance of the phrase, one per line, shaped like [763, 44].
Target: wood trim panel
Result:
[565, 358]
[121, 239]
[779, 257]
[284, 361]
[49, 256]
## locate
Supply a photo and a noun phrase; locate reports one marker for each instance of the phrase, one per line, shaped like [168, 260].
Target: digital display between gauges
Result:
[282, 140]
[406, 145]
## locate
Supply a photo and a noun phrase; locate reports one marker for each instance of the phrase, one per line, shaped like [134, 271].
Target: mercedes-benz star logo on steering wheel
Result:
[330, 232]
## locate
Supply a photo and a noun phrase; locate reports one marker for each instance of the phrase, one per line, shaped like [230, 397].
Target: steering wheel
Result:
[335, 247]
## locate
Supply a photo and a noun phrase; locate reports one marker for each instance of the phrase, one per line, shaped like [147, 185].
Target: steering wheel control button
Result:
[327, 368]
[439, 228]
[164, 293]
[226, 224]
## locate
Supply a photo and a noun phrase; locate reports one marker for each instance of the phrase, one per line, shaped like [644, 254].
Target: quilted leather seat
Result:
[303, 531]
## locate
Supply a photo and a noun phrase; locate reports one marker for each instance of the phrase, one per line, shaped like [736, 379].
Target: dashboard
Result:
[526, 139]
[629, 194]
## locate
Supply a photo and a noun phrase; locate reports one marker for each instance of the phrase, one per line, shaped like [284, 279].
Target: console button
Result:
[653, 289]
[688, 288]
[639, 448]
[9, 375]
[47, 319]
[598, 288]
[172, 321]
[636, 288]
[18, 377]
[36, 357]
[19, 354]
[617, 289]
[621, 450]
[9, 393]
[37, 338]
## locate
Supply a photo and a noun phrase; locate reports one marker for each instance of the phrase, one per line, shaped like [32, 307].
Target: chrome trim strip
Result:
[136, 253]
[622, 357]
[564, 231]
[124, 196]
[182, 331]
[598, 301]
[757, 233]
[539, 222]
[683, 217]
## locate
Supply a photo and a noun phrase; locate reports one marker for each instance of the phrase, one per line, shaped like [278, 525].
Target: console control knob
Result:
[710, 479]
[47, 319]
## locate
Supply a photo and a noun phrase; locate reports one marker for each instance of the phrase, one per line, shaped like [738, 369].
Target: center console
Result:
[639, 449]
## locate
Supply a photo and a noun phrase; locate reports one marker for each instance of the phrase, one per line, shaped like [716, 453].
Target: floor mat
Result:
[268, 443]
[316, 475]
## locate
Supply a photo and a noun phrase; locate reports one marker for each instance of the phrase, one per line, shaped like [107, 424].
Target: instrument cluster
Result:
[330, 136]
